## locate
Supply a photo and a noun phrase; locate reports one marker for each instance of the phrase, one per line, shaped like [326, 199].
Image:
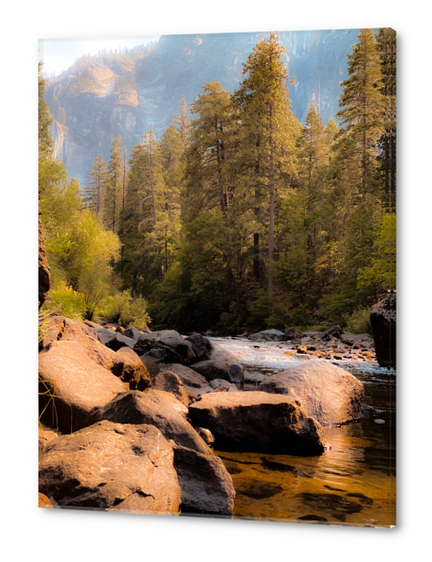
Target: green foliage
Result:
[123, 309]
[64, 301]
[359, 322]
[381, 274]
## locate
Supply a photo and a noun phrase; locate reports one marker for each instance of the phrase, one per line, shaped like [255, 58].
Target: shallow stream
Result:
[353, 483]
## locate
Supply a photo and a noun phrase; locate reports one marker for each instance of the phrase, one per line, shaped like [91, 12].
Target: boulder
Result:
[221, 365]
[43, 501]
[45, 436]
[44, 270]
[131, 370]
[177, 349]
[201, 346]
[258, 421]
[104, 335]
[111, 467]
[170, 382]
[383, 322]
[151, 364]
[154, 407]
[206, 434]
[133, 333]
[212, 370]
[268, 335]
[192, 380]
[71, 385]
[220, 385]
[119, 341]
[206, 485]
[94, 325]
[64, 329]
[333, 332]
[326, 392]
[293, 335]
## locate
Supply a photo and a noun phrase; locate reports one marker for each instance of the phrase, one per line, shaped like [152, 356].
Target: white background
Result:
[31, 534]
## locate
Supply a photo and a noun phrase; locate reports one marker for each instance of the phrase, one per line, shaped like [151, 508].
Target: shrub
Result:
[63, 300]
[359, 322]
[123, 309]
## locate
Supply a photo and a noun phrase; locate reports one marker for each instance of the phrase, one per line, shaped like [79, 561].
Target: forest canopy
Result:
[239, 217]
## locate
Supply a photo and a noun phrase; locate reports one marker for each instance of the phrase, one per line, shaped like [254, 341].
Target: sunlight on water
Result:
[354, 483]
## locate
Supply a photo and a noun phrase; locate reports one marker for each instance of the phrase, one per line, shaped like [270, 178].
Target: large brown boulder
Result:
[206, 485]
[130, 369]
[154, 407]
[177, 349]
[258, 421]
[64, 329]
[327, 393]
[44, 270]
[383, 322]
[72, 385]
[111, 467]
[170, 382]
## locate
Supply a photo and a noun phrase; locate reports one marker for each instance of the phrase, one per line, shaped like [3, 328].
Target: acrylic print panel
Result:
[217, 288]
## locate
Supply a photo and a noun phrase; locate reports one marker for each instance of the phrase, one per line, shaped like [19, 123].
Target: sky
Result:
[60, 54]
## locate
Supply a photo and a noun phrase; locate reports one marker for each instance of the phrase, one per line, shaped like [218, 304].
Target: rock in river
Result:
[327, 392]
[258, 421]
[205, 483]
[111, 467]
[383, 322]
[177, 349]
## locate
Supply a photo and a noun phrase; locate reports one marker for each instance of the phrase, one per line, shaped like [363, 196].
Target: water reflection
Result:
[354, 483]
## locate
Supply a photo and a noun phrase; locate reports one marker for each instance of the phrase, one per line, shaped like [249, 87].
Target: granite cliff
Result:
[100, 98]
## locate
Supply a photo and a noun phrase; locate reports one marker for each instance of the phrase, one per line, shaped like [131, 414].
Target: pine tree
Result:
[386, 45]
[145, 226]
[181, 119]
[207, 159]
[267, 135]
[113, 188]
[95, 191]
[363, 104]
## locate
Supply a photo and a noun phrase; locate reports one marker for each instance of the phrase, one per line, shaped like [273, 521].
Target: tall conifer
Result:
[362, 104]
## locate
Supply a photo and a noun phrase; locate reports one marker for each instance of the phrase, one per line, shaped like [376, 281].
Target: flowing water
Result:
[353, 483]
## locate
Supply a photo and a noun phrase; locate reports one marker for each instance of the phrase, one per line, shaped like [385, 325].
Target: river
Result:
[352, 483]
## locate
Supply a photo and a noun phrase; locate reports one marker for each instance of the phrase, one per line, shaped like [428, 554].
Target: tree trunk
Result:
[272, 211]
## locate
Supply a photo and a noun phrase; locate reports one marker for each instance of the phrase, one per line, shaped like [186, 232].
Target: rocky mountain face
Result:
[99, 98]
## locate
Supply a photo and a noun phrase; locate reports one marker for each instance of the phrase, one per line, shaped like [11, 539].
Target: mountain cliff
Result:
[101, 97]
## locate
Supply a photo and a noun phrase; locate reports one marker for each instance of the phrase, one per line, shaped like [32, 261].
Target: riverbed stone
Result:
[268, 335]
[192, 380]
[327, 392]
[206, 485]
[111, 467]
[65, 329]
[131, 370]
[177, 348]
[383, 322]
[201, 346]
[154, 407]
[169, 382]
[258, 421]
[71, 385]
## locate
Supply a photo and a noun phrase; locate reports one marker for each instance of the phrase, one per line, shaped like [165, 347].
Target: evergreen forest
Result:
[239, 218]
